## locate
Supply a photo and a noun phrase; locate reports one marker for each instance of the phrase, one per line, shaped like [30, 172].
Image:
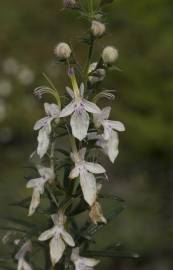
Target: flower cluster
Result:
[88, 129]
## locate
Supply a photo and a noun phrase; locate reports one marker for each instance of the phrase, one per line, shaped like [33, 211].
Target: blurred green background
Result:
[142, 175]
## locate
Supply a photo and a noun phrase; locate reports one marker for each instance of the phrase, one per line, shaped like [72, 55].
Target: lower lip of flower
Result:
[79, 108]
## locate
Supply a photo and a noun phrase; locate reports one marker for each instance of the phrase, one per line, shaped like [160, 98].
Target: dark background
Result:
[142, 175]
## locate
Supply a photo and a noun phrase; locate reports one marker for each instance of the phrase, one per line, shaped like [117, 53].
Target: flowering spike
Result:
[69, 184]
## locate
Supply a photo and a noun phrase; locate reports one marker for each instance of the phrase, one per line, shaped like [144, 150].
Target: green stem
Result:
[91, 8]
[90, 52]
[52, 197]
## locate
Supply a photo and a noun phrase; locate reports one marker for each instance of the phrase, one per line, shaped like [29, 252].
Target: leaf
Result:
[112, 254]
[23, 203]
[92, 229]
[80, 207]
[66, 153]
[5, 267]
[110, 197]
[19, 222]
[14, 229]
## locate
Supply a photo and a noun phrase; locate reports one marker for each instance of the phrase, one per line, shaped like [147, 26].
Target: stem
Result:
[91, 7]
[52, 197]
[90, 52]
[52, 152]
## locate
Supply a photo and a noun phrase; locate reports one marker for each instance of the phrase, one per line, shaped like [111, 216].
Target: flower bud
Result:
[109, 55]
[96, 75]
[97, 28]
[62, 51]
[69, 3]
[96, 213]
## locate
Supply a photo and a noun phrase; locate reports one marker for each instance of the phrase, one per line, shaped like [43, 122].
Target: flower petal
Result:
[75, 254]
[43, 141]
[82, 88]
[88, 185]
[47, 173]
[57, 248]
[91, 107]
[70, 92]
[20, 264]
[89, 262]
[79, 124]
[33, 182]
[107, 130]
[97, 120]
[51, 109]
[26, 247]
[106, 112]
[74, 172]
[110, 147]
[82, 153]
[67, 238]
[41, 123]
[68, 109]
[47, 234]
[26, 266]
[94, 167]
[116, 125]
[34, 202]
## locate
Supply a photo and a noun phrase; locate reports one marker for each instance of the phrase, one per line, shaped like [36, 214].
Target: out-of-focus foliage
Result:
[142, 31]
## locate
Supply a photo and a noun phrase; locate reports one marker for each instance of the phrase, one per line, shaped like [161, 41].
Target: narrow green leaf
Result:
[111, 254]
[23, 203]
[111, 197]
[19, 222]
[14, 229]
[66, 153]
[5, 267]
[92, 229]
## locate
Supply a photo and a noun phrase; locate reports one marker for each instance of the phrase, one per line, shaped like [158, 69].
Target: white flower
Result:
[96, 75]
[108, 125]
[109, 55]
[59, 237]
[110, 146]
[82, 263]
[44, 127]
[46, 174]
[86, 171]
[79, 107]
[20, 256]
[97, 28]
[62, 51]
